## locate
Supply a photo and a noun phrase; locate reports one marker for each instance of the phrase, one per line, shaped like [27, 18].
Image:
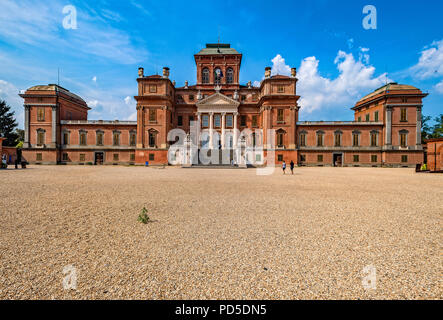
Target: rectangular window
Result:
[180, 121]
[229, 121]
[404, 158]
[191, 97]
[320, 140]
[373, 139]
[82, 157]
[205, 121]
[280, 116]
[254, 121]
[280, 89]
[151, 157]
[99, 138]
[338, 140]
[65, 157]
[257, 158]
[280, 136]
[152, 88]
[217, 121]
[355, 140]
[152, 115]
[38, 157]
[191, 118]
[243, 121]
[280, 157]
[83, 139]
[302, 158]
[403, 139]
[356, 158]
[65, 138]
[132, 157]
[376, 116]
[243, 97]
[40, 114]
[359, 119]
[40, 138]
[116, 139]
[115, 156]
[374, 158]
[367, 118]
[132, 139]
[303, 140]
[320, 158]
[403, 115]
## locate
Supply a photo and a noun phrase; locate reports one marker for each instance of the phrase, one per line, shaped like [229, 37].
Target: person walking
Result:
[292, 167]
[283, 166]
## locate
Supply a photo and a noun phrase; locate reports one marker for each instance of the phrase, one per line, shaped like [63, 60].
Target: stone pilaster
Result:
[26, 142]
[418, 128]
[388, 122]
[54, 127]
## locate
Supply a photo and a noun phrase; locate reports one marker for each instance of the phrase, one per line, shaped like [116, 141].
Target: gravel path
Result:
[220, 233]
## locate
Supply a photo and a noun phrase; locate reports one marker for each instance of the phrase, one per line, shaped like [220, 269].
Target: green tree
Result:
[426, 129]
[7, 124]
[437, 131]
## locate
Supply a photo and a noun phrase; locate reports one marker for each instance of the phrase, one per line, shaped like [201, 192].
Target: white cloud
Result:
[439, 87]
[355, 79]
[94, 79]
[23, 22]
[92, 103]
[279, 66]
[363, 55]
[430, 63]
[128, 100]
[350, 43]
[9, 93]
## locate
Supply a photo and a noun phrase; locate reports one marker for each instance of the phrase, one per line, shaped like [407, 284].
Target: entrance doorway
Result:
[99, 156]
[337, 159]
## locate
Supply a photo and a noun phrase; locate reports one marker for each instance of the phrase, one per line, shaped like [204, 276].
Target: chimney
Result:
[293, 72]
[166, 72]
[186, 84]
[140, 72]
[267, 72]
[173, 83]
[249, 84]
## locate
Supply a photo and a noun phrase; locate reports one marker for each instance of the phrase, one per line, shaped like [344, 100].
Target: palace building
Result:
[386, 130]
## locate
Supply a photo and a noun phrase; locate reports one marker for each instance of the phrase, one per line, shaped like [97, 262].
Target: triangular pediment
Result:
[217, 99]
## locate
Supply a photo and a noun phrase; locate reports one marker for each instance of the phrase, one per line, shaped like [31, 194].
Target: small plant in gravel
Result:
[143, 216]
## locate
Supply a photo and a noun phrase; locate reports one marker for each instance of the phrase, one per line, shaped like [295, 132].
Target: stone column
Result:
[26, 142]
[222, 139]
[235, 130]
[418, 128]
[54, 127]
[388, 140]
[211, 130]
[199, 127]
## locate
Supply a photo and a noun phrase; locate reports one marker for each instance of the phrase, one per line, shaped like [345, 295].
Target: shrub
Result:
[143, 216]
[424, 167]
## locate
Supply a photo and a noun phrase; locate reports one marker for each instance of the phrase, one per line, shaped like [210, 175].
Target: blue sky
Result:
[338, 61]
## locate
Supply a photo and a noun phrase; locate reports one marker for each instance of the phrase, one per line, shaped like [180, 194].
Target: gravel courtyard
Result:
[220, 233]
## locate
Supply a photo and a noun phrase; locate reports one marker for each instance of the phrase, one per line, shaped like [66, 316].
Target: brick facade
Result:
[435, 154]
[385, 130]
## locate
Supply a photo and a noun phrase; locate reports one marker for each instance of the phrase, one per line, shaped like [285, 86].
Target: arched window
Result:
[230, 75]
[205, 75]
[218, 75]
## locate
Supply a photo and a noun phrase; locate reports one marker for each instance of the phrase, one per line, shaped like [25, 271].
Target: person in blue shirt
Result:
[283, 166]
